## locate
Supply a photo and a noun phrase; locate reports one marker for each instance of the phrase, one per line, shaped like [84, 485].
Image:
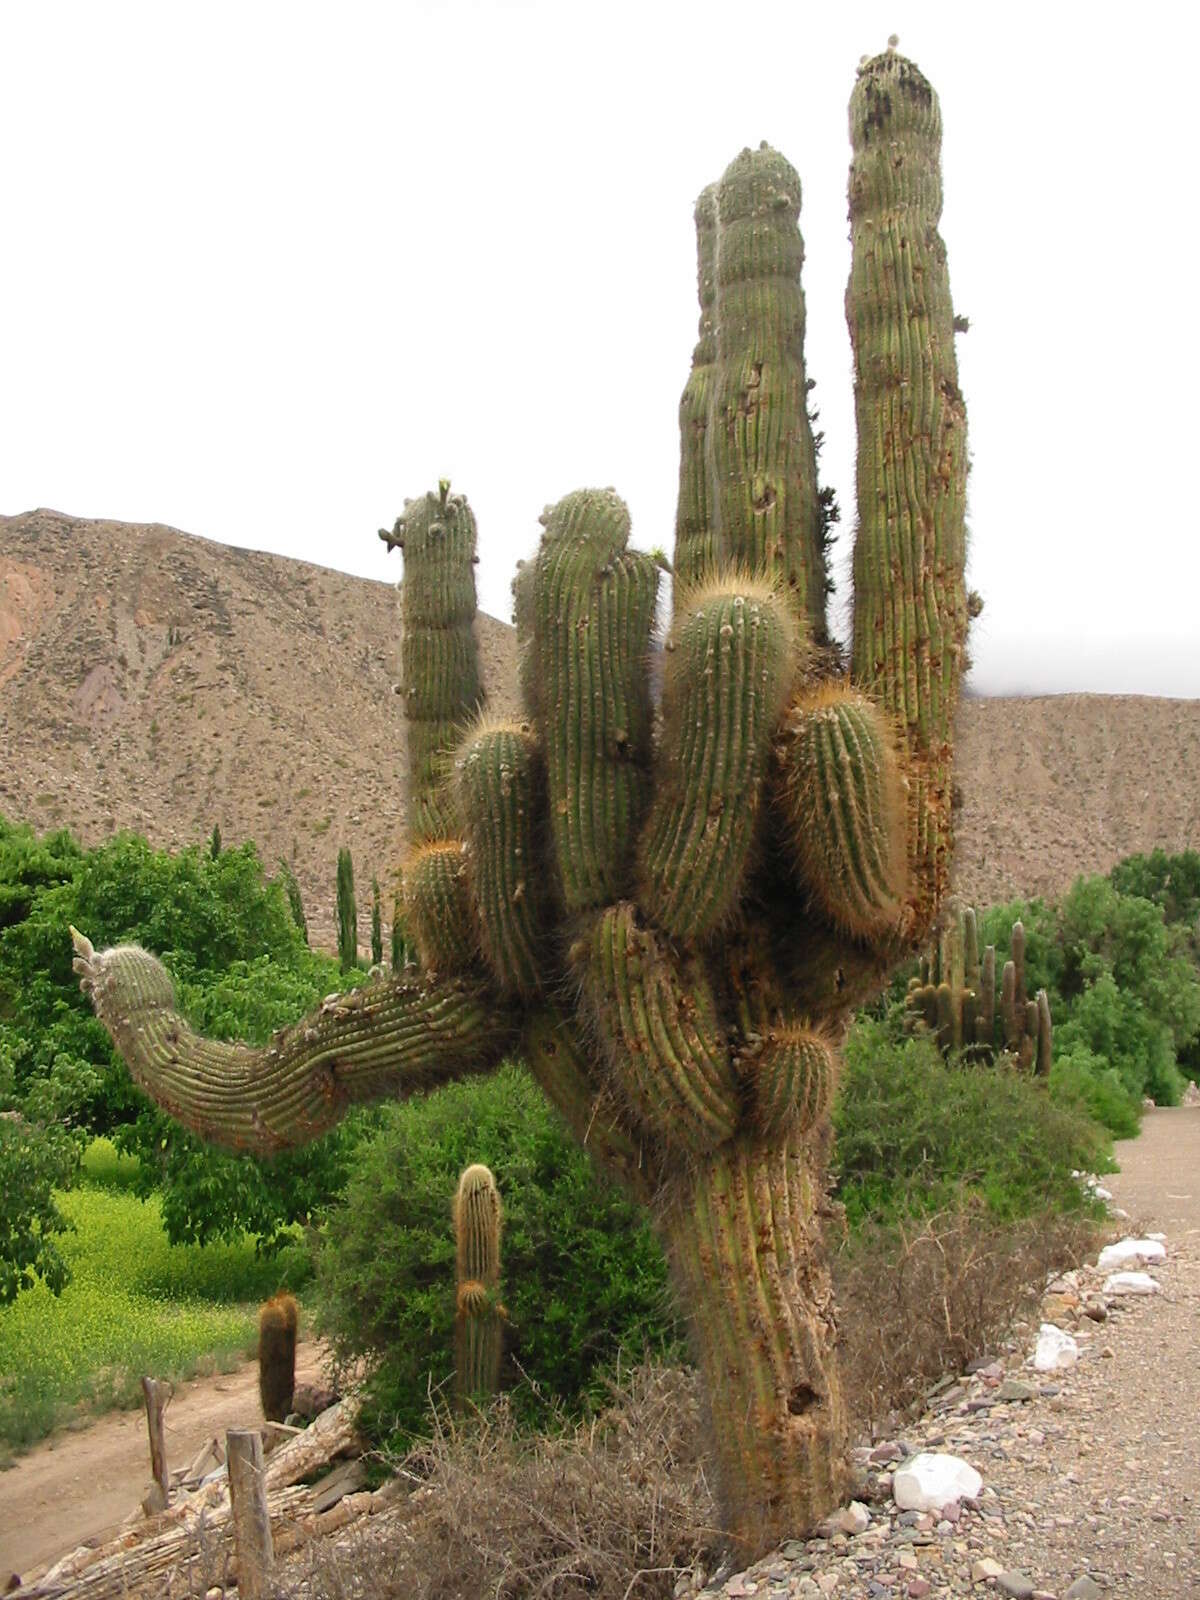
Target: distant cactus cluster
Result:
[955, 998]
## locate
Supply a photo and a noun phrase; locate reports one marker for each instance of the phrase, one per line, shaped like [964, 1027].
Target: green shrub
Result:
[1080, 1078]
[584, 1278]
[914, 1130]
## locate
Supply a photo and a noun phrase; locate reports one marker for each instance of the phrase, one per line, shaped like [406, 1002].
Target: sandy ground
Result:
[79, 1486]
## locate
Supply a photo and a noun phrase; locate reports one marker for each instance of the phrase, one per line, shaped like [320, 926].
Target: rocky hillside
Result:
[157, 681]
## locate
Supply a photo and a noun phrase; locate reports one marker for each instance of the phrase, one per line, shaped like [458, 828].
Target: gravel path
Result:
[1091, 1477]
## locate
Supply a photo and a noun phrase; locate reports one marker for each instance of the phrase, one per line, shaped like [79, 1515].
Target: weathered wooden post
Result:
[251, 1520]
[157, 1394]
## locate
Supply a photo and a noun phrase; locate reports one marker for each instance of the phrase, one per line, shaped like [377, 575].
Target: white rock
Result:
[1101, 1192]
[1116, 1211]
[1116, 1255]
[1159, 1238]
[1055, 1349]
[931, 1480]
[1130, 1283]
[851, 1519]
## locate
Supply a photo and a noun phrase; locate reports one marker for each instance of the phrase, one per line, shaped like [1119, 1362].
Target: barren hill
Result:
[153, 680]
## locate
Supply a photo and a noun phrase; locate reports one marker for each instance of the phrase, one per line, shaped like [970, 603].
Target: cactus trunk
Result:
[743, 1239]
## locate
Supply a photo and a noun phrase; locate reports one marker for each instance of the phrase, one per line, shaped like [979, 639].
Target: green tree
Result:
[1171, 881]
[295, 899]
[347, 912]
[243, 968]
[214, 843]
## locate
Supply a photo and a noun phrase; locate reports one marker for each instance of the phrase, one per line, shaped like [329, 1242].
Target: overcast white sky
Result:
[269, 268]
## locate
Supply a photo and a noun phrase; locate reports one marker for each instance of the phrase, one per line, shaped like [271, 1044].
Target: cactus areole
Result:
[673, 928]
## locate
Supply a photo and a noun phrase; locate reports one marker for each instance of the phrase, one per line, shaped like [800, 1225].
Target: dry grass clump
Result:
[619, 1508]
[612, 1509]
[921, 1299]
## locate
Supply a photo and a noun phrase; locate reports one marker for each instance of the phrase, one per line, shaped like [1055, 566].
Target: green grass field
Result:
[136, 1304]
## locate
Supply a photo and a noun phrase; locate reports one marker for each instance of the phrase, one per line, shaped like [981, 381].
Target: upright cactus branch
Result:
[677, 926]
[910, 607]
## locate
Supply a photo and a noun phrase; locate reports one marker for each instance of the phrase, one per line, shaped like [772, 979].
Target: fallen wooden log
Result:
[152, 1545]
[334, 1433]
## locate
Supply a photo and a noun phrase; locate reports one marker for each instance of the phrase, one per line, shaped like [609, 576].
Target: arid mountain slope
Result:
[161, 682]
[157, 681]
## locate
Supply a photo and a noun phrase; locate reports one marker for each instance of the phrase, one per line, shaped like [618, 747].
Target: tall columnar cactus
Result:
[479, 1316]
[954, 997]
[676, 931]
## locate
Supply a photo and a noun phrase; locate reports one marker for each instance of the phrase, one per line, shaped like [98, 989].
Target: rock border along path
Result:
[1091, 1475]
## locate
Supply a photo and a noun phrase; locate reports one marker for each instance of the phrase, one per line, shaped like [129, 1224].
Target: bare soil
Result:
[79, 1486]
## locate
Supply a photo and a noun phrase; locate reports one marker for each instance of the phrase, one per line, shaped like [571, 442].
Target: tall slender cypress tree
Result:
[347, 912]
[376, 926]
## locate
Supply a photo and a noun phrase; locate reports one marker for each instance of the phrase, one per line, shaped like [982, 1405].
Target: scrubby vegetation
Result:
[134, 1303]
[940, 1166]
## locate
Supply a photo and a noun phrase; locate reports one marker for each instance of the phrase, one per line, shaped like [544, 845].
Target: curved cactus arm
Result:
[910, 604]
[390, 1038]
[843, 797]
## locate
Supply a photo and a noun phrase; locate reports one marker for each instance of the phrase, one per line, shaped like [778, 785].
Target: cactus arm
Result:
[593, 613]
[697, 546]
[910, 609]
[500, 791]
[762, 459]
[390, 1038]
[656, 1017]
[438, 654]
[844, 800]
[731, 659]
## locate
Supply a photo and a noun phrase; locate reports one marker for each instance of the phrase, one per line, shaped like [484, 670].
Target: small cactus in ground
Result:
[955, 998]
[278, 1321]
[675, 926]
[479, 1316]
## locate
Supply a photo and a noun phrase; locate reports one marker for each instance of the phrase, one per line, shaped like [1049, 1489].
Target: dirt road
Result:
[80, 1485]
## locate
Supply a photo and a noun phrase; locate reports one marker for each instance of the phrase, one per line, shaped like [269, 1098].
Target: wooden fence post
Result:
[251, 1520]
[157, 1394]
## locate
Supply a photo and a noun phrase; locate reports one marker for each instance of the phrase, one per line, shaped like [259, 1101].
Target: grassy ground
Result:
[136, 1304]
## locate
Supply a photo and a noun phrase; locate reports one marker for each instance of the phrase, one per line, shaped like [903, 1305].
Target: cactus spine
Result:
[479, 1317]
[678, 931]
